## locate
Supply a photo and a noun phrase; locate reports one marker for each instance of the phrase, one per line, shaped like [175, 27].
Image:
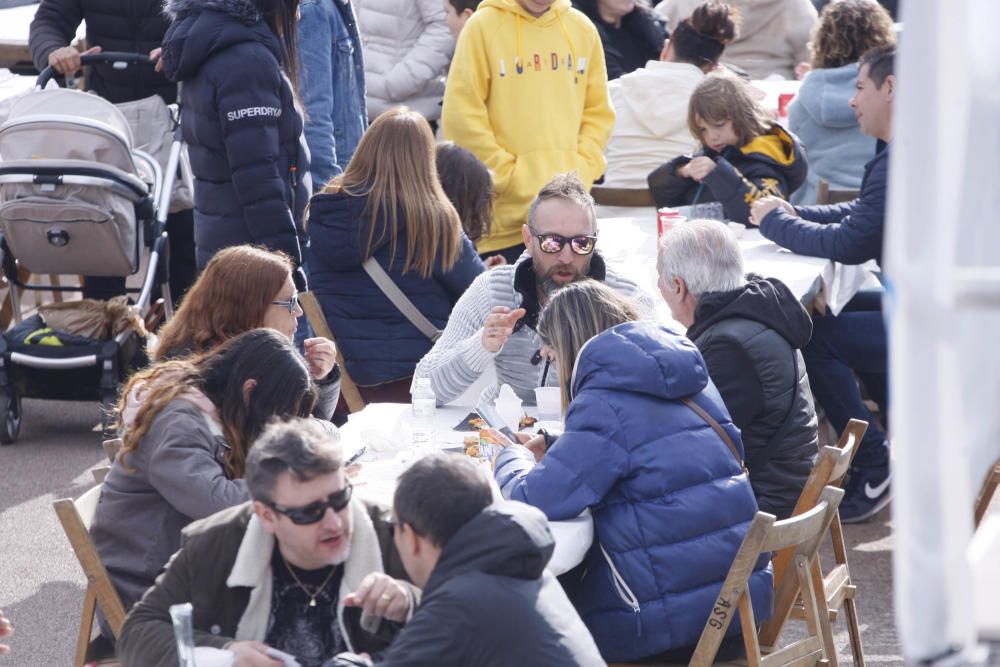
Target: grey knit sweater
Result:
[458, 358]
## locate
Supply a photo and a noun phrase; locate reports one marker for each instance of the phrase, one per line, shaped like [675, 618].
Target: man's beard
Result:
[549, 286]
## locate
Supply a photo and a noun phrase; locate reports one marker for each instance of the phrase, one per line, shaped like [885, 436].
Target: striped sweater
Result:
[458, 358]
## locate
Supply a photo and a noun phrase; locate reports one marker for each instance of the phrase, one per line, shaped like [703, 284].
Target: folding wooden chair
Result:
[622, 196]
[314, 313]
[836, 585]
[99, 473]
[76, 517]
[986, 494]
[111, 448]
[802, 535]
[824, 195]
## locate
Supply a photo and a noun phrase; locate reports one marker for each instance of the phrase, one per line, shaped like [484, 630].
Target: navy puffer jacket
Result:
[241, 126]
[670, 503]
[378, 343]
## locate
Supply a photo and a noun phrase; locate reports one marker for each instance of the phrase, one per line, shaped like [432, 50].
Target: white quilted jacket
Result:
[407, 51]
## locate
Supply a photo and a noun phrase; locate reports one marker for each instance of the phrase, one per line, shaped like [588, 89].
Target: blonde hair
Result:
[395, 167]
[577, 313]
[722, 97]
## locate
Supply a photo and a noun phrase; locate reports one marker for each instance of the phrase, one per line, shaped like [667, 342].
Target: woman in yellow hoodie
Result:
[528, 94]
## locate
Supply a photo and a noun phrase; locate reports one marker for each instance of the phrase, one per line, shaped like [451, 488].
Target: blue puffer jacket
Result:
[378, 343]
[849, 233]
[670, 503]
[242, 129]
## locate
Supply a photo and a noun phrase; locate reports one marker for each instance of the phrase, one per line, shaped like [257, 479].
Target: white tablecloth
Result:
[628, 241]
[386, 423]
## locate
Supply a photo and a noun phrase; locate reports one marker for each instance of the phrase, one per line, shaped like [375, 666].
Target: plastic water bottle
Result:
[422, 411]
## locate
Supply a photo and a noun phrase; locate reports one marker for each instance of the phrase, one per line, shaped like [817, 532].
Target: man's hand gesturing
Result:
[498, 326]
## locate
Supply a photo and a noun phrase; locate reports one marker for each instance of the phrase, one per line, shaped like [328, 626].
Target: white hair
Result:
[704, 254]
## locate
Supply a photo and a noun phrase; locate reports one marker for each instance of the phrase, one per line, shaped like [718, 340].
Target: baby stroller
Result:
[76, 198]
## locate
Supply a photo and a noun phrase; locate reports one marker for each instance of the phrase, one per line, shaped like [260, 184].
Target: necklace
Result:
[305, 589]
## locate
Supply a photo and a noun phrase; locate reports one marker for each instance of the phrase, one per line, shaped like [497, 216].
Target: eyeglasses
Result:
[314, 512]
[553, 243]
[291, 304]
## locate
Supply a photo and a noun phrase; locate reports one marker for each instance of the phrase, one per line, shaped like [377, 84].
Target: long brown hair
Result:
[231, 296]
[721, 96]
[394, 166]
[573, 316]
[283, 389]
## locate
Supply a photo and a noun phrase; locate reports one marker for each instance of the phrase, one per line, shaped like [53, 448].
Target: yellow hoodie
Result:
[530, 98]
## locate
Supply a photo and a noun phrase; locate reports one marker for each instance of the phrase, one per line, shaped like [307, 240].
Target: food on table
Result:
[526, 422]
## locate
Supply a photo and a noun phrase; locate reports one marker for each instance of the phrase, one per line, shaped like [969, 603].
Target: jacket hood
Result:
[641, 357]
[202, 28]
[340, 215]
[778, 147]
[823, 93]
[508, 539]
[134, 400]
[513, 7]
[764, 300]
[653, 94]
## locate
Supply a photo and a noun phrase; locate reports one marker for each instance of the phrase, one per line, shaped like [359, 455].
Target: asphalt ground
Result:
[42, 586]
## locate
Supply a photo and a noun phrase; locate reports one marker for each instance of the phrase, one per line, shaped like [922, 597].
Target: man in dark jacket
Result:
[750, 331]
[274, 574]
[487, 599]
[854, 341]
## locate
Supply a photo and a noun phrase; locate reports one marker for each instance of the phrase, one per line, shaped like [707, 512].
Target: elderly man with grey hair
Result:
[300, 570]
[749, 330]
[493, 324]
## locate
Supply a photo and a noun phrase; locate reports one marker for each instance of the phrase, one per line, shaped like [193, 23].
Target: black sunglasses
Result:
[553, 243]
[313, 512]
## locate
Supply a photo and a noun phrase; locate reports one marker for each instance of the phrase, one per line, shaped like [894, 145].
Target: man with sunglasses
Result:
[494, 321]
[299, 570]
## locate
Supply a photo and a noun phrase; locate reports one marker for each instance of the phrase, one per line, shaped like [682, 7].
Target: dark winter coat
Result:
[671, 504]
[772, 164]
[850, 233]
[638, 40]
[135, 26]
[750, 338]
[378, 343]
[243, 132]
[489, 601]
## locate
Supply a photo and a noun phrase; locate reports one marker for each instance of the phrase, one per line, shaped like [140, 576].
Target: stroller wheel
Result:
[11, 427]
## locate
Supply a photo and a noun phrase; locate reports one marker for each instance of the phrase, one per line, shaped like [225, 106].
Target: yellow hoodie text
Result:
[528, 96]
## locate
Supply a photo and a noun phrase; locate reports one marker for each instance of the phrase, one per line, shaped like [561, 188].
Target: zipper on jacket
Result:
[624, 592]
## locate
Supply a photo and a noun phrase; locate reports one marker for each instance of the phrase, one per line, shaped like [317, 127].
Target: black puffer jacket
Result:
[243, 131]
[136, 26]
[490, 602]
[771, 164]
[627, 48]
[750, 339]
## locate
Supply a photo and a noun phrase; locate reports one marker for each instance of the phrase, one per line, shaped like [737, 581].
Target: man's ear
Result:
[267, 516]
[466, 13]
[890, 85]
[526, 239]
[678, 287]
[408, 539]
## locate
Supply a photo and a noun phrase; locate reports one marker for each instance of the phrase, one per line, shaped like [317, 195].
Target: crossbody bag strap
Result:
[717, 427]
[400, 300]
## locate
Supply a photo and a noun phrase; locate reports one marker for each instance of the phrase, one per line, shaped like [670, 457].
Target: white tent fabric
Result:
[943, 259]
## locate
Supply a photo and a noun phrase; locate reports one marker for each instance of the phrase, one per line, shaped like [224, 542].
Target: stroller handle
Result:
[118, 60]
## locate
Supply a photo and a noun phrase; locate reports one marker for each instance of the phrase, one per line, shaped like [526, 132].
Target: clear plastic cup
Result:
[549, 402]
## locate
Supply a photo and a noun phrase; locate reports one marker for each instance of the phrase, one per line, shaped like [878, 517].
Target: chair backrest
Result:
[76, 518]
[986, 493]
[803, 535]
[622, 196]
[111, 448]
[824, 195]
[99, 473]
[317, 320]
[831, 465]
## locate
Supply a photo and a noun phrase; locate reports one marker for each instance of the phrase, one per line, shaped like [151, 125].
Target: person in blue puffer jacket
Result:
[671, 502]
[239, 120]
[389, 205]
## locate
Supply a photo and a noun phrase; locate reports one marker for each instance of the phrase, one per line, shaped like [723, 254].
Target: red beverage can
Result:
[666, 218]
